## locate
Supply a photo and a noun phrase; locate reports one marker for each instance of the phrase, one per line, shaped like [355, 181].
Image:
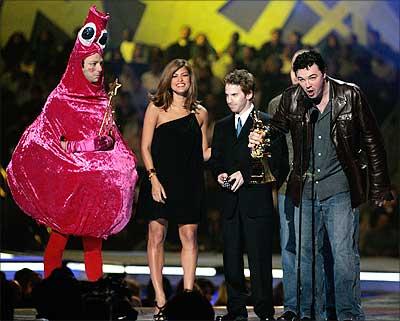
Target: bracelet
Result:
[151, 172]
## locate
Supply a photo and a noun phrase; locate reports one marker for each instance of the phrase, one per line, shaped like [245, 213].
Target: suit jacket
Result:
[230, 154]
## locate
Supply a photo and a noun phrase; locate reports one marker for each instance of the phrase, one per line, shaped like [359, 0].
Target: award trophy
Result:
[260, 171]
[108, 118]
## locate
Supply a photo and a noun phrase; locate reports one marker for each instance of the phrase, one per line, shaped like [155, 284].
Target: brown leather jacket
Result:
[354, 132]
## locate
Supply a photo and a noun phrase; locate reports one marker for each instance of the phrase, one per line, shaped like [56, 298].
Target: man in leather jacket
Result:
[337, 149]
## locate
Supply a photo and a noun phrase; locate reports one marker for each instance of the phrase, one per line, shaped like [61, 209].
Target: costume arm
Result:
[98, 143]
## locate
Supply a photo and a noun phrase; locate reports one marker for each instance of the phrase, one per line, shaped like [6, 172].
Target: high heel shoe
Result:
[160, 315]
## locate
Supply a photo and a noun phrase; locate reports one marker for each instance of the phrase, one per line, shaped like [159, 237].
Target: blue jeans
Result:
[335, 218]
[288, 252]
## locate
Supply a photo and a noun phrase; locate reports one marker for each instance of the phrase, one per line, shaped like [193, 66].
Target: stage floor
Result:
[380, 307]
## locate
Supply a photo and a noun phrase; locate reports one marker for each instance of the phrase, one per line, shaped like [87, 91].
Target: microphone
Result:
[314, 116]
[308, 104]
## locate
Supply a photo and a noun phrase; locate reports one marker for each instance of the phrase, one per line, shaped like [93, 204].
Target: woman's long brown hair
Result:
[163, 96]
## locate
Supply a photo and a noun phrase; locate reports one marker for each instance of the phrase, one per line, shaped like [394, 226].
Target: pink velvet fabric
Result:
[90, 145]
[85, 193]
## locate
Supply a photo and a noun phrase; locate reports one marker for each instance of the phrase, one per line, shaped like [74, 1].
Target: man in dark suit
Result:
[247, 209]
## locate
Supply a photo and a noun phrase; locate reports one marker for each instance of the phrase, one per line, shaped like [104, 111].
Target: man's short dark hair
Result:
[307, 59]
[243, 78]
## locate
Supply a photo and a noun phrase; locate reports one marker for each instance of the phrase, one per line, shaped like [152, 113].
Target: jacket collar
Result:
[339, 100]
[245, 129]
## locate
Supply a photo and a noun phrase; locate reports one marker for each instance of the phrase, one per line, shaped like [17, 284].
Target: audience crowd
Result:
[114, 297]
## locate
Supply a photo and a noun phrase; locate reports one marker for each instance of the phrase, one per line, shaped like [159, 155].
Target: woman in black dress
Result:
[174, 147]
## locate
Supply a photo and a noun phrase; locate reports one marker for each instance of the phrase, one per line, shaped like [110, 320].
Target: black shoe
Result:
[230, 317]
[160, 316]
[267, 319]
[288, 316]
[306, 319]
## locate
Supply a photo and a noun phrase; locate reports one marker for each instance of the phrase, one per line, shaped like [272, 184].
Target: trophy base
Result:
[260, 172]
[258, 180]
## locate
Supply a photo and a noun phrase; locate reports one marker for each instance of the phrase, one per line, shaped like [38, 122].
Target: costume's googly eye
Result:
[103, 39]
[87, 33]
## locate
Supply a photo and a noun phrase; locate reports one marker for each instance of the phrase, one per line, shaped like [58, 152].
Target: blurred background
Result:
[358, 39]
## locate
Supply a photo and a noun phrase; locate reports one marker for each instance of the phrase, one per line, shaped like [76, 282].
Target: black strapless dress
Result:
[178, 159]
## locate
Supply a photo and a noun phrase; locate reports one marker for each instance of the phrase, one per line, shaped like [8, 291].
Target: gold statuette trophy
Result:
[108, 118]
[260, 171]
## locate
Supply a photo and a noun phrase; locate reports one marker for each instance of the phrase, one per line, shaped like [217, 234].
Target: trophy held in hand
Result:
[108, 119]
[260, 171]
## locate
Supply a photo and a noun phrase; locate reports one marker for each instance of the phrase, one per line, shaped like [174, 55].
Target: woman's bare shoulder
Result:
[153, 109]
[201, 114]
[201, 111]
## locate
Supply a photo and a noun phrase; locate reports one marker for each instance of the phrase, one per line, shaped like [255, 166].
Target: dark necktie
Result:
[238, 127]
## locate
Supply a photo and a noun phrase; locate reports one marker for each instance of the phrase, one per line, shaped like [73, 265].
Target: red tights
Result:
[92, 255]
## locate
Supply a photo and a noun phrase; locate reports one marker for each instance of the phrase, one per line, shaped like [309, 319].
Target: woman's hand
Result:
[157, 190]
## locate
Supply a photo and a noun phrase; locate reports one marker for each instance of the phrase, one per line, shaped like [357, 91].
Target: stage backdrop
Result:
[158, 22]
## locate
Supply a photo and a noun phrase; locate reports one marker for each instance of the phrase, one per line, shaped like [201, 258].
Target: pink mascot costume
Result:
[86, 188]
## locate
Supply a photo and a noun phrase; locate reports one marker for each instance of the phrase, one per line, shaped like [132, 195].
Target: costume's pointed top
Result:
[91, 39]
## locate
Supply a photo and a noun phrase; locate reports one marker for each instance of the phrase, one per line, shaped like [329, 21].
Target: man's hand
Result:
[380, 203]
[103, 142]
[63, 145]
[221, 178]
[237, 180]
[388, 202]
[255, 138]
